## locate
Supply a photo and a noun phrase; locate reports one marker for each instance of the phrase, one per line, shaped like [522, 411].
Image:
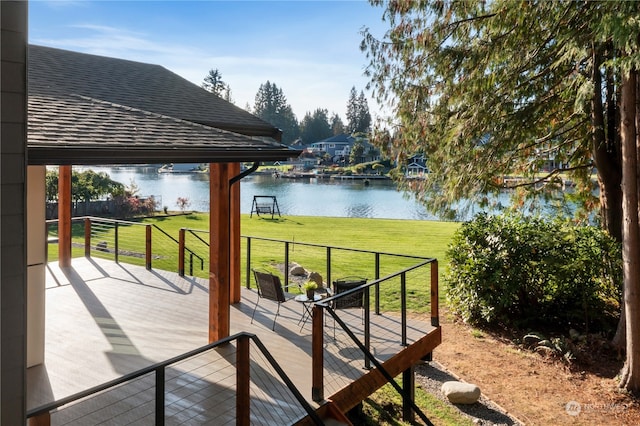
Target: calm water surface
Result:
[299, 197]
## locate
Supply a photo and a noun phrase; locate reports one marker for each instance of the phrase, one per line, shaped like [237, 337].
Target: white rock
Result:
[460, 392]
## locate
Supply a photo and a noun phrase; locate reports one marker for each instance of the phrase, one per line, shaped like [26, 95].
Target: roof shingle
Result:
[87, 109]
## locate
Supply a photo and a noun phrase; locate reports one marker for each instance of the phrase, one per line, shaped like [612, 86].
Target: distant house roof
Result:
[341, 138]
[88, 109]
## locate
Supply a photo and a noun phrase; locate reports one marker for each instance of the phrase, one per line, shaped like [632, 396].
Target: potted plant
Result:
[310, 287]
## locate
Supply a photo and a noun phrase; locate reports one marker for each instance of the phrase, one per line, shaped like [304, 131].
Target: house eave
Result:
[83, 156]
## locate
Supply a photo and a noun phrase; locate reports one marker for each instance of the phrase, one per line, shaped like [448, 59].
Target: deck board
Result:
[104, 320]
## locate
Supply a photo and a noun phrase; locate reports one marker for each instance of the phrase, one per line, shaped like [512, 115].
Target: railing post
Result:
[329, 266]
[367, 327]
[160, 396]
[248, 273]
[377, 284]
[243, 382]
[317, 354]
[43, 419]
[181, 237]
[403, 307]
[148, 247]
[286, 266]
[409, 395]
[191, 264]
[87, 237]
[435, 319]
[116, 241]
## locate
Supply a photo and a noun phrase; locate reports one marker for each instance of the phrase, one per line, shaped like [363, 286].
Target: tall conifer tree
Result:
[531, 89]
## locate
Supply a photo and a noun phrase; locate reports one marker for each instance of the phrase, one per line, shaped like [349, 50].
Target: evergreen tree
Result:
[358, 116]
[271, 105]
[364, 116]
[315, 127]
[352, 111]
[213, 83]
[488, 89]
[337, 126]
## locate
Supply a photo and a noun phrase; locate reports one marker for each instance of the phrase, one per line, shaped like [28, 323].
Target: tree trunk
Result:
[630, 374]
[606, 155]
[605, 152]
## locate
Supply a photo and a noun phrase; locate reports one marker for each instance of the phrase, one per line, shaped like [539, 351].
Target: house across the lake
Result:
[338, 148]
[417, 166]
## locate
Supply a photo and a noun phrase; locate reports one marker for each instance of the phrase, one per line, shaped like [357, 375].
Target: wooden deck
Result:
[104, 320]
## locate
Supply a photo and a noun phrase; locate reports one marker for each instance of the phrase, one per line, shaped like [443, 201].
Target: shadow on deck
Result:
[105, 320]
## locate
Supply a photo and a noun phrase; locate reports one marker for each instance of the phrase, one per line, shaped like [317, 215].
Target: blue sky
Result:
[310, 49]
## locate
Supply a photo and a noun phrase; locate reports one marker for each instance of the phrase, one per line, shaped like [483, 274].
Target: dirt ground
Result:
[534, 389]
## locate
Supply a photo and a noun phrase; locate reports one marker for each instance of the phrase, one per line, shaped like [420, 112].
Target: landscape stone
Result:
[297, 270]
[317, 278]
[460, 392]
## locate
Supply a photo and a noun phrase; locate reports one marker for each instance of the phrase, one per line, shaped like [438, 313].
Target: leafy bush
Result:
[521, 271]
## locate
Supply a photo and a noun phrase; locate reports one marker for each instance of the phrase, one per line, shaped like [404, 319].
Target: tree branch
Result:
[542, 179]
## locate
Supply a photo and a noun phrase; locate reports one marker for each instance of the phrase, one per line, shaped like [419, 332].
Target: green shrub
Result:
[521, 271]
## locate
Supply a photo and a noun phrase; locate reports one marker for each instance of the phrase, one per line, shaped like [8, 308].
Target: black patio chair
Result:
[353, 300]
[270, 288]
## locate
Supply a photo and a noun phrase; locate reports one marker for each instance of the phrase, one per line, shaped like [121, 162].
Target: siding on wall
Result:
[13, 118]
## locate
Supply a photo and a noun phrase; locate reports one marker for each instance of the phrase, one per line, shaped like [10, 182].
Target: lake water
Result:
[296, 197]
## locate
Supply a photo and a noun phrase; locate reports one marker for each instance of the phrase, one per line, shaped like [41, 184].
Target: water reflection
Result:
[306, 197]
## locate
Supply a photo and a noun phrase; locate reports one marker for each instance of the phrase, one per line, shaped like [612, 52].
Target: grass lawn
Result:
[415, 237]
[408, 237]
[403, 237]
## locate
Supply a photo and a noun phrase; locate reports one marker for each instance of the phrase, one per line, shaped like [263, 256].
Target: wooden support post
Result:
[403, 309]
[41, 420]
[317, 354]
[148, 247]
[435, 320]
[234, 170]
[181, 242]
[243, 383]
[64, 216]
[219, 244]
[87, 237]
[408, 385]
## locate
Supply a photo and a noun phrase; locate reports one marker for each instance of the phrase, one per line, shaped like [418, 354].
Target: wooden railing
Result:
[329, 259]
[364, 340]
[117, 239]
[423, 275]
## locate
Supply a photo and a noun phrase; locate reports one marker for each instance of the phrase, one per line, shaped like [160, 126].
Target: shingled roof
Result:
[88, 109]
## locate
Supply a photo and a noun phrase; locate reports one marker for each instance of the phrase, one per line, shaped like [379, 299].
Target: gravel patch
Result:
[431, 375]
